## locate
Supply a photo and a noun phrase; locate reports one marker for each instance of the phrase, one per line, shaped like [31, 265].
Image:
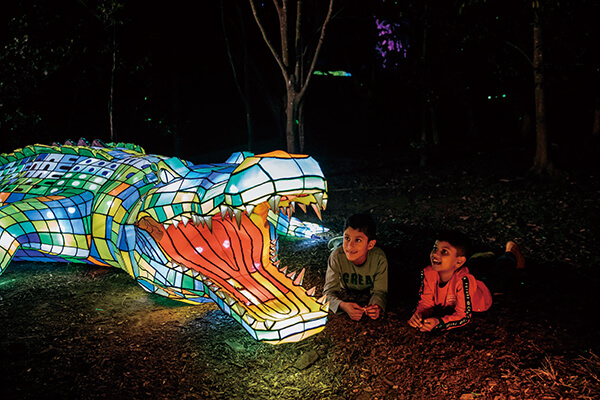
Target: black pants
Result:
[497, 272]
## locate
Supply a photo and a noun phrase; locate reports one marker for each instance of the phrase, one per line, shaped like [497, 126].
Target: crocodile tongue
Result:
[232, 258]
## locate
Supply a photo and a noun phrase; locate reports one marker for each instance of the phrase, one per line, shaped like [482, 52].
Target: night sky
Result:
[174, 90]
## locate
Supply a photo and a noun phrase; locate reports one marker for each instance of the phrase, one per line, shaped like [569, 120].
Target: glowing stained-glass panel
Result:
[187, 232]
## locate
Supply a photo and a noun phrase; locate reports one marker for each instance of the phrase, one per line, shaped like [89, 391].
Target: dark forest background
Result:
[462, 72]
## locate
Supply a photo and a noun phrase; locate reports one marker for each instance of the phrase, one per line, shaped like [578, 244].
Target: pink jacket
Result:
[462, 294]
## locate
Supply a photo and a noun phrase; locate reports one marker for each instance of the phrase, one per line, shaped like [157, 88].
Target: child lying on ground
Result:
[357, 266]
[449, 292]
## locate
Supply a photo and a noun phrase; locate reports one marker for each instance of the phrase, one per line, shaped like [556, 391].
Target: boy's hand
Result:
[416, 321]
[354, 311]
[373, 311]
[429, 324]
[424, 325]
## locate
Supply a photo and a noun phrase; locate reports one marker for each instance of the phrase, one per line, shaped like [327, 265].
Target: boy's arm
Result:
[332, 283]
[425, 304]
[463, 310]
[380, 284]
[426, 296]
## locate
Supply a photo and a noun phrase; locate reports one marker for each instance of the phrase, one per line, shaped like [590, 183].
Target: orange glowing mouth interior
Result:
[231, 257]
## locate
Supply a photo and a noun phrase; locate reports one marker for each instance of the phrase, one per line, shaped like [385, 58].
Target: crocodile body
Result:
[187, 232]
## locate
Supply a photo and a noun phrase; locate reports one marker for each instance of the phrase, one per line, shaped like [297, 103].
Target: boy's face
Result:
[356, 245]
[444, 258]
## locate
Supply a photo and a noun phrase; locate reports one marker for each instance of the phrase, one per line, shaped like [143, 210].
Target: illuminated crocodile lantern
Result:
[189, 232]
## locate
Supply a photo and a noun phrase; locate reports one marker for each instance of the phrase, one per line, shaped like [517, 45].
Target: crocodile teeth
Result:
[299, 278]
[249, 209]
[184, 220]
[325, 307]
[229, 300]
[192, 272]
[293, 206]
[208, 222]
[322, 299]
[324, 205]
[274, 202]
[283, 270]
[166, 226]
[249, 320]
[269, 324]
[291, 275]
[238, 217]
[239, 310]
[197, 220]
[224, 210]
[259, 326]
[175, 223]
[302, 206]
[319, 199]
[311, 291]
[317, 210]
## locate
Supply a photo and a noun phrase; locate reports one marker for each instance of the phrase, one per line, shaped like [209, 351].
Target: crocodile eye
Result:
[165, 176]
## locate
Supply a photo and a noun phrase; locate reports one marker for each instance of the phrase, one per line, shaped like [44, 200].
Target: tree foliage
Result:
[33, 48]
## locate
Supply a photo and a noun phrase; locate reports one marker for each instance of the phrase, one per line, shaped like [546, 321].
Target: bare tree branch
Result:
[283, 27]
[317, 50]
[268, 42]
[520, 51]
[235, 77]
[297, 50]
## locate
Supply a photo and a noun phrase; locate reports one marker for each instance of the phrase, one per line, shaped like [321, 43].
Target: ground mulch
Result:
[72, 331]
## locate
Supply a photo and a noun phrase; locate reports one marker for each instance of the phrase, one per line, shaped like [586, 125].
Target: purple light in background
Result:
[390, 46]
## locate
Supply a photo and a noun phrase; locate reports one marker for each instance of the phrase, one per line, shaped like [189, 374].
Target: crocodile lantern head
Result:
[193, 233]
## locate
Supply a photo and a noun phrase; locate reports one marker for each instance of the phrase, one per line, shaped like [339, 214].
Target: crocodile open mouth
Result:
[234, 256]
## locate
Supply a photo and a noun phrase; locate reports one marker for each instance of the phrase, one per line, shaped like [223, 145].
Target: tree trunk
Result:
[301, 137]
[291, 112]
[291, 62]
[541, 161]
[427, 96]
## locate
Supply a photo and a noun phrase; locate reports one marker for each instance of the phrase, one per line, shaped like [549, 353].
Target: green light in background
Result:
[333, 73]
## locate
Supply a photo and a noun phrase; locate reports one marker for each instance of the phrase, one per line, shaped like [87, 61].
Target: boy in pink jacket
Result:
[449, 293]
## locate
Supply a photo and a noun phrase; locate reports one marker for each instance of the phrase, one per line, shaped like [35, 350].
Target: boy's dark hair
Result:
[458, 240]
[363, 223]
